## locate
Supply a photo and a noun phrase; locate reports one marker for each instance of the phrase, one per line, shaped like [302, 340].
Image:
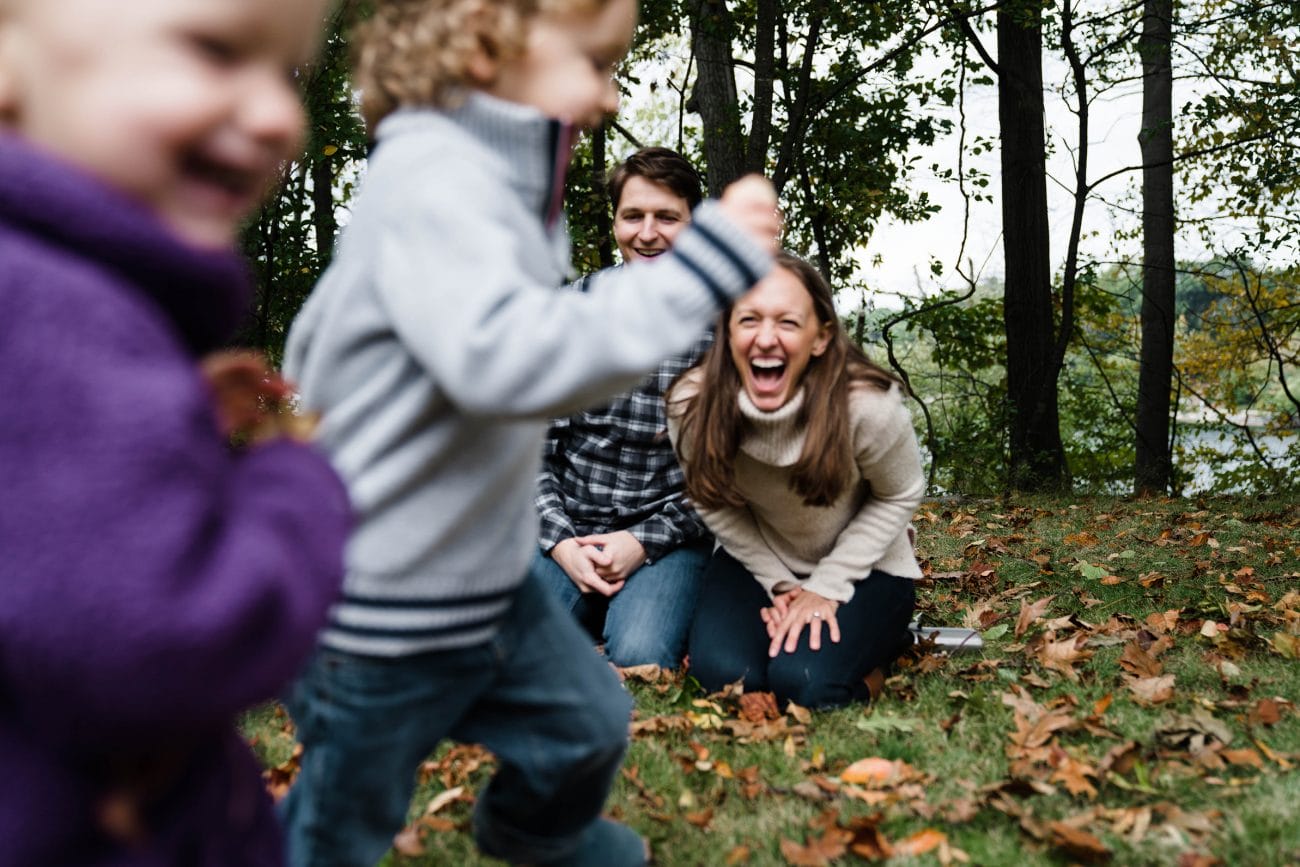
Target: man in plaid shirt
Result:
[619, 544]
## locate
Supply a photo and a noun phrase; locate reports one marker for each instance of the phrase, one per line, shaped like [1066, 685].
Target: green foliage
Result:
[1243, 125]
[291, 239]
[954, 363]
[587, 209]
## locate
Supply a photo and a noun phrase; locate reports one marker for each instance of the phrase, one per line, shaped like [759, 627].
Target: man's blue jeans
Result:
[729, 639]
[553, 712]
[648, 620]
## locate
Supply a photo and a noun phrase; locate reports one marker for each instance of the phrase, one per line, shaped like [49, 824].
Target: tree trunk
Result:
[603, 228]
[1037, 457]
[714, 96]
[767, 14]
[1153, 467]
[322, 211]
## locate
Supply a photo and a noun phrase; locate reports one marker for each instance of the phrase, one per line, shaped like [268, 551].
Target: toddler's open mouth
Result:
[237, 182]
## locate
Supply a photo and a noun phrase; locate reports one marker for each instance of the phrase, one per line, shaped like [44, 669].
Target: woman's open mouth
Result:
[767, 373]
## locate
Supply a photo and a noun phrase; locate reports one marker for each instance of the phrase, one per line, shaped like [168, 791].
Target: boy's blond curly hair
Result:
[418, 52]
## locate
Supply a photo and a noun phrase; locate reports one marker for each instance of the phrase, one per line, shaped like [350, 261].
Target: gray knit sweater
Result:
[436, 346]
[785, 543]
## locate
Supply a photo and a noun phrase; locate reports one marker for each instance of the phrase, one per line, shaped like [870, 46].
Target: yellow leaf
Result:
[1286, 645]
[329, 150]
[802, 714]
[443, 799]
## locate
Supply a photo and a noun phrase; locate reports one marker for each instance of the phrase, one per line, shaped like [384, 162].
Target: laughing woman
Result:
[800, 456]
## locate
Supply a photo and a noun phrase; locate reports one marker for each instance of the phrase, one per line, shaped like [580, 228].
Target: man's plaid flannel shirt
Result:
[613, 468]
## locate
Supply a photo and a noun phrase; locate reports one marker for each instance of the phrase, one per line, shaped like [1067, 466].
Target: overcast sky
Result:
[905, 250]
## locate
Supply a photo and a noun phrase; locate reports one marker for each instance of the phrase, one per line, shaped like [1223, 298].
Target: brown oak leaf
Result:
[1031, 612]
[1152, 690]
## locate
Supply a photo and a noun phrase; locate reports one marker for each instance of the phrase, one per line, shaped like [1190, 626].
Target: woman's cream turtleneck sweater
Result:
[826, 549]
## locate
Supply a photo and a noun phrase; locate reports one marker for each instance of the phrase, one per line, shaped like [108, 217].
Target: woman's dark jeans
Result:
[729, 639]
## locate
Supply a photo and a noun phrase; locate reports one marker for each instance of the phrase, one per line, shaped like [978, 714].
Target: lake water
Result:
[1225, 441]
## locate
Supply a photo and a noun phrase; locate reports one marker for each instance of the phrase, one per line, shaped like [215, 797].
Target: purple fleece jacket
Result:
[153, 582]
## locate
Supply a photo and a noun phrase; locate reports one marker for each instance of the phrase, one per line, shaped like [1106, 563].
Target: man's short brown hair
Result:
[660, 166]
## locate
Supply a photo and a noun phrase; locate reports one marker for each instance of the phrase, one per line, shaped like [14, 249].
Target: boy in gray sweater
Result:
[436, 346]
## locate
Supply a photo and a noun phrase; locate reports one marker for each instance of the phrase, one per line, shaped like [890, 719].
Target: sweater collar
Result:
[782, 415]
[203, 292]
[774, 437]
[534, 149]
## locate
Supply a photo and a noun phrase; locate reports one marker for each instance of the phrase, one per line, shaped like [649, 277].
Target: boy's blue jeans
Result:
[648, 620]
[552, 711]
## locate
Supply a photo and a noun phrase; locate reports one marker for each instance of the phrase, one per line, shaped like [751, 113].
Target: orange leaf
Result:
[738, 855]
[820, 851]
[1243, 757]
[758, 706]
[1072, 772]
[701, 819]
[1162, 622]
[1151, 579]
[1078, 844]
[1041, 730]
[871, 770]
[868, 841]
[921, 842]
[437, 824]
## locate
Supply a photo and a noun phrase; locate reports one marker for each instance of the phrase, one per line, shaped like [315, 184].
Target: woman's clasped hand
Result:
[793, 610]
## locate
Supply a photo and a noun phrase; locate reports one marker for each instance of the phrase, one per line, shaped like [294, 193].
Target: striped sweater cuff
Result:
[721, 254]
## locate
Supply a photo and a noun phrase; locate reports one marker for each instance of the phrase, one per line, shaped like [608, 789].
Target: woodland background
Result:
[1134, 698]
[1125, 367]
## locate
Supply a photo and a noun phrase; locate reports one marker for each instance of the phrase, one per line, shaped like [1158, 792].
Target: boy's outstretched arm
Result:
[499, 341]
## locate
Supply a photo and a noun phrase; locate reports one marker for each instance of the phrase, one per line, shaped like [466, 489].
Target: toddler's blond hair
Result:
[418, 52]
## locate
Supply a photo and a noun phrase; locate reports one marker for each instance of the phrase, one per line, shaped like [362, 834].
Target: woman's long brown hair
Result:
[712, 426]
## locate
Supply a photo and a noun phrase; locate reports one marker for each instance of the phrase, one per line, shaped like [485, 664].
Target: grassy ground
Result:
[1132, 705]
